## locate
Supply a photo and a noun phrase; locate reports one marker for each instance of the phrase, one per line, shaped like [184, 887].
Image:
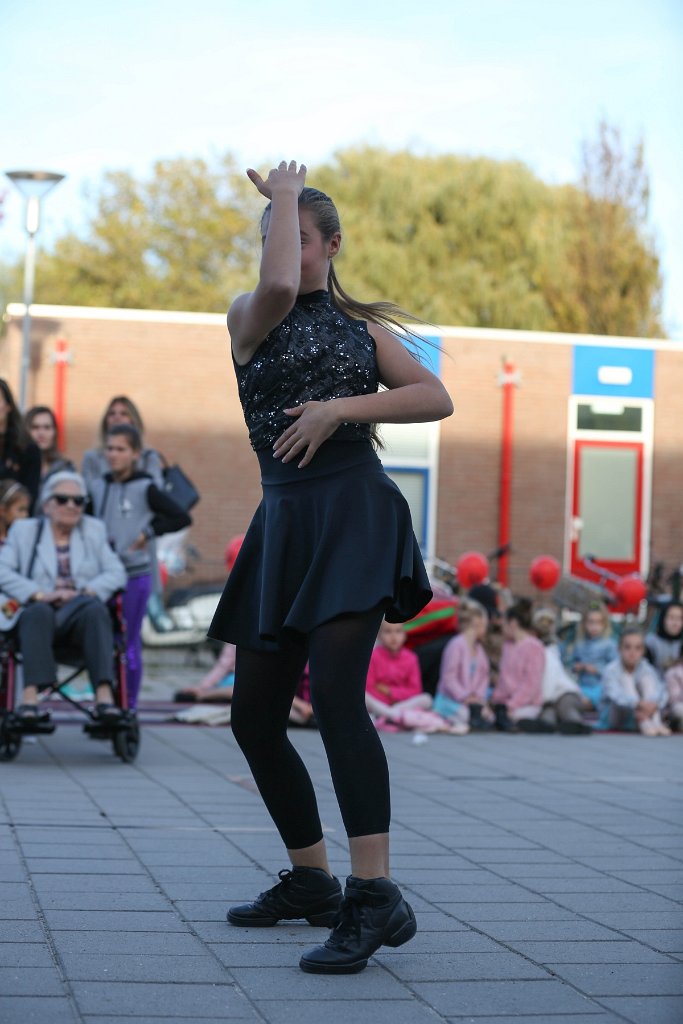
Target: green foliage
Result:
[455, 240]
[184, 239]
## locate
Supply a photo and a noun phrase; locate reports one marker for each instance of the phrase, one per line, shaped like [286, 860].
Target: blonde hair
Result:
[468, 610]
[599, 608]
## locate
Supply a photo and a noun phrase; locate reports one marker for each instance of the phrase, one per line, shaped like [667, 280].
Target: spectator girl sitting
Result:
[19, 456]
[58, 572]
[42, 426]
[14, 504]
[631, 690]
[663, 647]
[393, 692]
[593, 650]
[134, 511]
[562, 697]
[464, 676]
[518, 694]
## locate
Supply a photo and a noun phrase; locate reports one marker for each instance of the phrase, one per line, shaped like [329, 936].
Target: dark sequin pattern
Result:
[315, 354]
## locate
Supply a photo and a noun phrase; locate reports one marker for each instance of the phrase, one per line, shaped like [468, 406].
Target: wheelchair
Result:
[124, 734]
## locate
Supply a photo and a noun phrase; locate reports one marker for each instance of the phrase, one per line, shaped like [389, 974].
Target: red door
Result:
[607, 509]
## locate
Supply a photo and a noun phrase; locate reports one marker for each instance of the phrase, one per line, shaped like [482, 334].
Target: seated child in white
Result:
[632, 694]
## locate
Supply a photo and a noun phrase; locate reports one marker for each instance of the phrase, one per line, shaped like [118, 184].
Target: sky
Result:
[87, 87]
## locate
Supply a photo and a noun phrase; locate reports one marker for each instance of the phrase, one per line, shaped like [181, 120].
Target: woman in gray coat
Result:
[56, 574]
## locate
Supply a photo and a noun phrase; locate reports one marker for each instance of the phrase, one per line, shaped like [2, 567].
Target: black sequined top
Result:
[315, 354]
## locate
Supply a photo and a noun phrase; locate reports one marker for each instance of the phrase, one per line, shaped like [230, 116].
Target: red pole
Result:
[61, 360]
[508, 380]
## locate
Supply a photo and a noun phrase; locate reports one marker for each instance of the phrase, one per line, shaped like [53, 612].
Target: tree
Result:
[604, 276]
[455, 240]
[184, 239]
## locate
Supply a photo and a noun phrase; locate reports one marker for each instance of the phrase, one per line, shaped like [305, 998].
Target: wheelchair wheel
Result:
[10, 741]
[126, 741]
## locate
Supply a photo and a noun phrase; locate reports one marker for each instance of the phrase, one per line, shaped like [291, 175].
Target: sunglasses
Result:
[64, 499]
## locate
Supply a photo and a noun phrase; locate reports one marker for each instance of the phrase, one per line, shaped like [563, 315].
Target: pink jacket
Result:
[521, 674]
[400, 672]
[462, 674]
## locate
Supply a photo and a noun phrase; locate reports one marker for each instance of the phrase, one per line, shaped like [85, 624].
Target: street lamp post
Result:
[34, 186]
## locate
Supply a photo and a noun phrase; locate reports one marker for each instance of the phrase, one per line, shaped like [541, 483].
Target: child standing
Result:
[464, 676]
[631, 691]
[593, 650]
[518, 694]
[134, 511]
[329, 552]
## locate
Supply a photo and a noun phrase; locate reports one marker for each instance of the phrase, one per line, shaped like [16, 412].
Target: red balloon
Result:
[473, 568]
[233, 550]
[545, 572]
[631, 591]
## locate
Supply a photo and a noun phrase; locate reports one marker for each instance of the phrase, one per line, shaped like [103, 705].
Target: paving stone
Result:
[590, 952]
[529, 911]
[293, 983]
[144, 966]
[104, 901]
[113, 920]
[25, 954]
[466, 967]
[30, 981]
[93, 883]
[561, 931]
[623, 979]
[345, 1011]
[468, 998]
[646, 1009]
[128, 999]
[169, 944]
[667, 940]
[34, 1010]
[21, 931]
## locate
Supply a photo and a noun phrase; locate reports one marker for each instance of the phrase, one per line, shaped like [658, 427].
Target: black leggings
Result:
[339, 653]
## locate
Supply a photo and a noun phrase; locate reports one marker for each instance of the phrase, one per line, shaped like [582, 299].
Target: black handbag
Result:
[178, 486]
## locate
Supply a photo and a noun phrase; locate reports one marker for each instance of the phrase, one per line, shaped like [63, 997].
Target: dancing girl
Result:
[329, 552]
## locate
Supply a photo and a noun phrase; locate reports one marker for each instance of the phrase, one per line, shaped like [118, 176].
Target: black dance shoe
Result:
[373, 914]
[302, 892]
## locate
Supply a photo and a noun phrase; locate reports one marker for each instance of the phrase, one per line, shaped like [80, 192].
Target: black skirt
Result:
[335, 537]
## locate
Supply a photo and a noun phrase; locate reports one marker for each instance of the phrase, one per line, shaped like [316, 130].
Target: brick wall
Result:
[180, 375]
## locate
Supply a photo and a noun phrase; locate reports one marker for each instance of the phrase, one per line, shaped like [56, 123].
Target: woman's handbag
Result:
[178, 486]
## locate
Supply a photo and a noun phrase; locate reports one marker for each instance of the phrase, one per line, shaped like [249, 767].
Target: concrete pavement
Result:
[546, 873]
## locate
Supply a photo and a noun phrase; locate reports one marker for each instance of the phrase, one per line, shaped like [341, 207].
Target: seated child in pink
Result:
[519, 691]
[393, 691]
[465, 673]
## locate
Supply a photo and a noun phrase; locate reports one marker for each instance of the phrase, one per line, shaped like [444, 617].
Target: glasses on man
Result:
[76, 499]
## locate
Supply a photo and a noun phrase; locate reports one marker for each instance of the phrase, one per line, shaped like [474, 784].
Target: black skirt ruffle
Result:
[335, 537]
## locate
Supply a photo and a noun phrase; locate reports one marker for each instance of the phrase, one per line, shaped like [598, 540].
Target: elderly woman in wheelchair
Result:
[56, 574]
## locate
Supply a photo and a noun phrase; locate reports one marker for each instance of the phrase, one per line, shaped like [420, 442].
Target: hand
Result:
[646, 709]
[314, 423]
[139, 543]
[384, 689]
[281, 178]
[63, 595]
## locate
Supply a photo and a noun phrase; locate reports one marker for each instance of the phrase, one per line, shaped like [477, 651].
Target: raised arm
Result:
[252, 316]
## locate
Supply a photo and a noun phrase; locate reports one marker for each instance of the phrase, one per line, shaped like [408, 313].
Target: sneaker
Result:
[572, 728]
[373, 913]
[108, 714]
[648, 728]
[308, 893]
